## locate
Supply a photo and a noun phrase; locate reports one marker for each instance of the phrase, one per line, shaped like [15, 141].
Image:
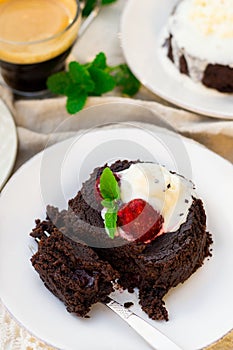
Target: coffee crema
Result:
[33, 31]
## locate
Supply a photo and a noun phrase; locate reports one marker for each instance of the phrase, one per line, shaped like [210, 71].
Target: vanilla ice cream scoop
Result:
[168, 193]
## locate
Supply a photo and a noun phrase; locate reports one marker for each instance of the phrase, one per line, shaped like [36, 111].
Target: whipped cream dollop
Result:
[170, 194]
[204, 29]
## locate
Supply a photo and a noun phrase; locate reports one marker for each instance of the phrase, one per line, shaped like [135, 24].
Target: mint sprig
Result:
[110, 192]
[91, 79]
[111, 222]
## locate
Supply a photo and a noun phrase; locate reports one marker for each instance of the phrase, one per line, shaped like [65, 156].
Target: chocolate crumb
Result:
[181, 214]
[128, 304]
[169, 185]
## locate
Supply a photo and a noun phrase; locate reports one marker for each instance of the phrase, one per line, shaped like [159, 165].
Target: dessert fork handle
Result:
[153, 337]
[156, 339]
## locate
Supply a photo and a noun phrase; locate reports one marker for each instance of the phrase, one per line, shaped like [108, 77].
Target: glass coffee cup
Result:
[36, 36]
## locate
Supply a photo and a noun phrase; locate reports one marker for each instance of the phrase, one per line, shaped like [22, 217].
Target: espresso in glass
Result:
[36, 37]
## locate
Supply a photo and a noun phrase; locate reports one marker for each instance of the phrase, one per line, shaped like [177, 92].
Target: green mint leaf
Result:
[80, 75]
[109, 187]
[58, 82]
[74, 89]
[111, 222]
[89, 6]
[94, 78]
[76, 102]
[104, 82]
[126, 80]
[105, 2]
[107, 203]
[110, 191]
[100, 61]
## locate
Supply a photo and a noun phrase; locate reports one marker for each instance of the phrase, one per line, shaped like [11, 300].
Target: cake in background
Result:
[200, 40]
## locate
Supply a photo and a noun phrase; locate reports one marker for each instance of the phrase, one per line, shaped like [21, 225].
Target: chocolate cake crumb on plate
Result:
[128, 304]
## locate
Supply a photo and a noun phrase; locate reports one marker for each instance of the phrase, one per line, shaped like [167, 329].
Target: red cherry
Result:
[140, 220]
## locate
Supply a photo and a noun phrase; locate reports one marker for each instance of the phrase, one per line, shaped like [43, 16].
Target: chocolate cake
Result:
[173, 247]
[156, 266]
[199, 42]
[70, 270]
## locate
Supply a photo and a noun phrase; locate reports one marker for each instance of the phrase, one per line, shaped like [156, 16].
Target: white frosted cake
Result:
[200, 41]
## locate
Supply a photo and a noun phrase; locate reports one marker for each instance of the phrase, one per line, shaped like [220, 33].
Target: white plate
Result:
[200, 309]
[8, 143]
[141, 30]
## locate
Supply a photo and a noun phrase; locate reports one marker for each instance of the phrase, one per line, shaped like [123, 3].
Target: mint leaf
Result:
[125, 79]
[111, 222]
[103, 81]
[109, 187]
[89, 6]
[79, 75]
[100, 61]
[58, 82]
[76, 102]
[105, 2]
[108, 203]
[110, 191]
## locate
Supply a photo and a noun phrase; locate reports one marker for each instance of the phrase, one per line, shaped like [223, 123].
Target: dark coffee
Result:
[36, 37]
[32, 77]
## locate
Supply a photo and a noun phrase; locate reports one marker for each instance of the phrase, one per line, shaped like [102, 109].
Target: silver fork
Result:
[155, 338]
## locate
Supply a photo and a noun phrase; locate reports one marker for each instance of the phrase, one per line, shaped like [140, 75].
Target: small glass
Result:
[26, 64]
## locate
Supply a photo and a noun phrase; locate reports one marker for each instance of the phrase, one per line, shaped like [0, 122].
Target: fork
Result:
[155, 338]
